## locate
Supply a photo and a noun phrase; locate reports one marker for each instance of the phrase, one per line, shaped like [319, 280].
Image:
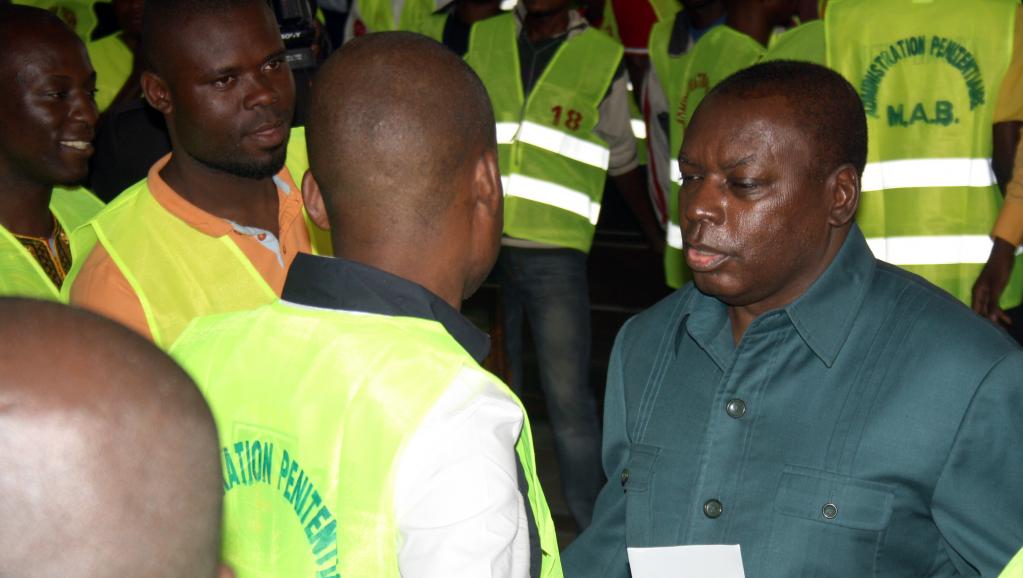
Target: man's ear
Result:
[313, 199]
[844, 188]
[225, 571]
[487, 185]
[156, 92]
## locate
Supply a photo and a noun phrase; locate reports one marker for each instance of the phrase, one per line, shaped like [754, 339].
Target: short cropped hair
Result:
[826, 105]
[161, 19]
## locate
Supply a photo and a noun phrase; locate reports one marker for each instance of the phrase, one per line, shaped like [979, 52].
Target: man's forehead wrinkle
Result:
[746, 160]
[730, 146]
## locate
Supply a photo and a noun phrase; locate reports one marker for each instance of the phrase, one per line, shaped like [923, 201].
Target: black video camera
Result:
[295, 20]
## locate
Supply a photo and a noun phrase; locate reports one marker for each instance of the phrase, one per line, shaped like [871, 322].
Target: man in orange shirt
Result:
[216, 224]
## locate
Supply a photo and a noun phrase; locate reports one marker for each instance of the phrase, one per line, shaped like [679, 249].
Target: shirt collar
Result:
[823, 316]
[208, 223]
[335, 283]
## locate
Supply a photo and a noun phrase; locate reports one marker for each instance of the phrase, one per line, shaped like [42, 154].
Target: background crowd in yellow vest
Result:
[115, 223]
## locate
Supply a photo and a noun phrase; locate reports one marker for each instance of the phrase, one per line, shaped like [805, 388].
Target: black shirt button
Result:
[712, 509]
[735, 408]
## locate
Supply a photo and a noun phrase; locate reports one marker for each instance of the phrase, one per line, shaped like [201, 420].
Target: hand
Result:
[988, 288]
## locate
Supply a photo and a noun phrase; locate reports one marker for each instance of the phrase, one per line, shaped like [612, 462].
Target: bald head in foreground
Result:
[110, 454]
[830, 413]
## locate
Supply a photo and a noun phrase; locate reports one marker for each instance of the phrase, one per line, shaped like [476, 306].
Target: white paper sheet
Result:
[714, 561]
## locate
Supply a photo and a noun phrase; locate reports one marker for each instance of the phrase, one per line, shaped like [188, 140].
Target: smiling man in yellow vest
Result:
[217, 222]
[47, 119]
[559, 94]
[361, 437]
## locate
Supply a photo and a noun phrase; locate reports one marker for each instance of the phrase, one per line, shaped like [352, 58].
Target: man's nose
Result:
[84, 109]
[262, 92]
[701, 201]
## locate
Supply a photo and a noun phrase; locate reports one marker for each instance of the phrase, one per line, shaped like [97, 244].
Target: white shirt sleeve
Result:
[615, 127]
[457, 499]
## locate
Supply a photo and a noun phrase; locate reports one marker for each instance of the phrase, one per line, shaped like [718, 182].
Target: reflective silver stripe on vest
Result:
[901, 174]
[676, 172]
[558, 143]
[674, 236]
[506, 132]
[565, 145]
[932, 250]
[638, 128]
[551, 194]
[674, 231]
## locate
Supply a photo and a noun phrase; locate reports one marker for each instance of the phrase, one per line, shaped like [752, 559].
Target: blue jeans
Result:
[549, 287]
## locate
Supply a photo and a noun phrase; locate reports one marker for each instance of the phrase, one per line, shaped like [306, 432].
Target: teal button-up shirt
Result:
[873, 427]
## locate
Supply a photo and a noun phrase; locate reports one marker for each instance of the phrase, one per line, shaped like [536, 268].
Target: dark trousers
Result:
[549, 288]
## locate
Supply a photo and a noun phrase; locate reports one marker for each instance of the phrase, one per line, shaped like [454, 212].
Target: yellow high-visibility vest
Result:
[314, 408]
[20, 273]
[929, 75]
[553, 164]
[177, 272]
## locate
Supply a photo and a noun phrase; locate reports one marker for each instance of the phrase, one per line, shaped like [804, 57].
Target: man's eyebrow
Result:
[225, 71]
[743, 161]
[684, 160]
[275, 55]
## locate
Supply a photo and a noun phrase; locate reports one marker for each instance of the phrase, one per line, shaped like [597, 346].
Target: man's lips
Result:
[703, 259]
[269, 134]
[78, 146]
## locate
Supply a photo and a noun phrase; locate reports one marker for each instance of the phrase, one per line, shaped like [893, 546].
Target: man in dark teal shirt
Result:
[830, 413]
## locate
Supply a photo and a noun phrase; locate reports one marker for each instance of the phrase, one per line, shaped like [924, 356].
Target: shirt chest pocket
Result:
[841, 519]
[654, 487]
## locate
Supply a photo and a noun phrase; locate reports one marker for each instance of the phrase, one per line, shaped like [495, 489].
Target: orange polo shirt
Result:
[101, 287]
